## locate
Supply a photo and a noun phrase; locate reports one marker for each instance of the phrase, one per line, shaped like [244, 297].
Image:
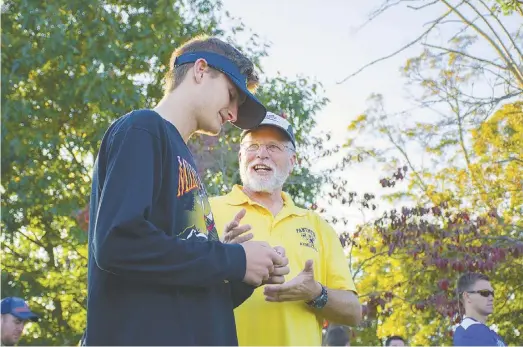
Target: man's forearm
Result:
[343, 307]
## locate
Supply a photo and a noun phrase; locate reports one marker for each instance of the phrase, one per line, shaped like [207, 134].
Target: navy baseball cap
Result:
[272, 119]
[18, 308]
[252, 111]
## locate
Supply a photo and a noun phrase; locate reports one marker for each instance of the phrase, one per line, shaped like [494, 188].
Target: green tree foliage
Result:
[68, 70]
[510, 6]
[407, 261]
[456, 187]
[460, 211]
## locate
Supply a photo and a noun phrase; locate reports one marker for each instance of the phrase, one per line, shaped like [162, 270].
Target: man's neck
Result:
[175, 108]
[272, 201]
[477, 316]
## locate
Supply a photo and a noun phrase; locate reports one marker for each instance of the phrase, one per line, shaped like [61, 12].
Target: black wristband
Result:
[321, 300]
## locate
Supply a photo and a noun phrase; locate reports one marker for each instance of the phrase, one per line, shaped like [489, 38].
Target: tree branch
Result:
[465, 27]
[461, 129]
[82, 305]
[508, 297]
[409, 162]
[488, 101]
[422, 6]
[506, 81]
[350, 259]
[502, 27]
[465, 55]
[36, 242]
[509, 160]
[79, 254]
[82, 167]
[399, 50]
[13, 251]
[360, 267]
[507, 58]
[383, 7]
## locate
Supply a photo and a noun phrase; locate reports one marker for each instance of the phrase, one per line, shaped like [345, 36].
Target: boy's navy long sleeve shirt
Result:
[158, 274]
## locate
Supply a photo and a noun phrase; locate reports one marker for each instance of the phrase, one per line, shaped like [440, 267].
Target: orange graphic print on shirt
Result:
[200, 221]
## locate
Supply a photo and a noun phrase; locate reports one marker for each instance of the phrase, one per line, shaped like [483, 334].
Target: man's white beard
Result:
[261, 184]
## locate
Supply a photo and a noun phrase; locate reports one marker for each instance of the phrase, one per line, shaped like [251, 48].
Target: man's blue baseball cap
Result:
[18, 308]
[252, 111]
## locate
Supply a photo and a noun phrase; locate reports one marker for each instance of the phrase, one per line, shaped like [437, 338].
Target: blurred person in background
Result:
[477, 296]
[15, 314]
[395, 341]
[337, 335]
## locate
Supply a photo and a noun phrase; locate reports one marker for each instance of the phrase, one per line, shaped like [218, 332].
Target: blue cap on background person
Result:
[18, 308]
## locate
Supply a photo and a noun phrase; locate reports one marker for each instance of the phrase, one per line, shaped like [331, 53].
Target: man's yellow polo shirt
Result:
[304, 235]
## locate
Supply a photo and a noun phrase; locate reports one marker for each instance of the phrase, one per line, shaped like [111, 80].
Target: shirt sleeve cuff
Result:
[237, 262]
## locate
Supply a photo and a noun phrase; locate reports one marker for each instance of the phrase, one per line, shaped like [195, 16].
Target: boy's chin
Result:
[210, 132]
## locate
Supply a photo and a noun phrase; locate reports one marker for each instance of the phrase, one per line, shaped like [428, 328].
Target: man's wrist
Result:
[319, 301]
[316, 292]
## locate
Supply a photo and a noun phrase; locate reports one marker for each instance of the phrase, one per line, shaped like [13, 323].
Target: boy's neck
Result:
[176, 108]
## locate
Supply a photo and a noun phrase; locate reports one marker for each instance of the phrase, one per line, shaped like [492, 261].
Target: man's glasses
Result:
[485, 292]
[272, 147]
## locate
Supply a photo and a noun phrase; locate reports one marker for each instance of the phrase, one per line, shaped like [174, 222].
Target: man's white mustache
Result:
[251, 166]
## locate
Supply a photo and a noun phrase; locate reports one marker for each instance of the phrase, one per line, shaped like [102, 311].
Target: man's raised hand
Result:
[234, 233]
[302, 287]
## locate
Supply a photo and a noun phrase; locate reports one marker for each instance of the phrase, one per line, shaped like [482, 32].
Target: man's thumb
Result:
[280, 250]
[308, 266]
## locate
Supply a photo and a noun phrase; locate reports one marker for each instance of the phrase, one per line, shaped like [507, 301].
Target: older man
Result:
[320, 285]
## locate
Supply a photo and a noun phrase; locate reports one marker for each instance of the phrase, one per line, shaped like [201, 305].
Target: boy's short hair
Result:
[175, 76]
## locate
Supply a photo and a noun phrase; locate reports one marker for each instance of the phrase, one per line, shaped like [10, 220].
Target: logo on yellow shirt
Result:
[308, 238]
